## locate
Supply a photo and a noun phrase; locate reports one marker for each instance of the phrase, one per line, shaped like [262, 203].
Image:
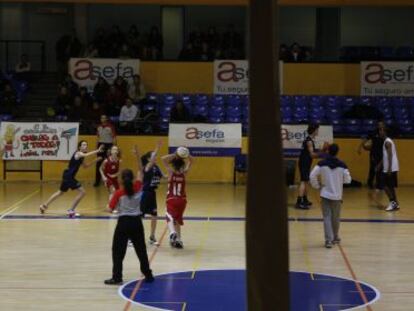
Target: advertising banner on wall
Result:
[38, 141]
[207, 140]
[294, 135]
[86, 71]
[387, 79]
[232, 77]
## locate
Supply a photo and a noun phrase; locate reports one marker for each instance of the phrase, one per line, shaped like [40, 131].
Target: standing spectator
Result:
[85, 97]
[296, 54]
[390, 168]
[78, 111]
[100, 90]
[129, 112]
[63, 102]
[23, 68]
[187, 53]
[8, 100]
[134, 41]
[283, 52]
[155, 43]
[121, 85]
[114, 101]
[374, 144]
[334, 174]
[136, 90]
[107, 138]
[180, 114]
[101, 42]
[66, 47]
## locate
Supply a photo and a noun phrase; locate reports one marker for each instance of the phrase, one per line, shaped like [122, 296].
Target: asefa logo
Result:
[85, 70]
[287, 135]
[194, 133]
[229, 72]
[377, 73]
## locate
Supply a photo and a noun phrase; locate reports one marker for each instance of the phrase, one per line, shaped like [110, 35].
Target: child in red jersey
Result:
[110, 170]
[176, 196]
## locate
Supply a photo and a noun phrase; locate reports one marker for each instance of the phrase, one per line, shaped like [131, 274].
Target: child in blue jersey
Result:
[152, 178]
[69, 177]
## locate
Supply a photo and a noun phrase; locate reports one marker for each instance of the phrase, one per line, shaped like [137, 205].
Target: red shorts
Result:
[175, 209]
[112, 182]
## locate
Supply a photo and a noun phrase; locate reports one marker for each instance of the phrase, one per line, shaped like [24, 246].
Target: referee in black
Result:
[129, 227]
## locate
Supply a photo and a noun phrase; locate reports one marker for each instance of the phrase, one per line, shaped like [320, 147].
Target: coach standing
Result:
[329, 175]
[107, 138]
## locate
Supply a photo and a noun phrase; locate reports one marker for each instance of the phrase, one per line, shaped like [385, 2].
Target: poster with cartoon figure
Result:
[38, 141]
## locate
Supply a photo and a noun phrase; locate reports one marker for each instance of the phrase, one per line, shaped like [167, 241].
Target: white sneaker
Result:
[42, 208]
[73, 214]
[392, 206]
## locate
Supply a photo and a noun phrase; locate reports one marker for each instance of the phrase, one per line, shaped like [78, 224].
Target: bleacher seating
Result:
[396, 111]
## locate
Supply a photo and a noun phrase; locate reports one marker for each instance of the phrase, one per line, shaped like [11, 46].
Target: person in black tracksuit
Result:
[374, 143]
[307, 154]
[129, 227]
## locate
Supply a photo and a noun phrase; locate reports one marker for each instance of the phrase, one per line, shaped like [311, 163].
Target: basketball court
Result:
[51, 262]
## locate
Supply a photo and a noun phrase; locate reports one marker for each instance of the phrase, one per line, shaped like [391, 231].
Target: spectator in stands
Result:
[155, 44]
[116, 36]
[85, 97]
[8, 100]
[100, 90]
[136, 90]
[187, 53]
[91, 51]
[101, 42]
[114, 101]
[232, 43]
[205, 54]
[121, 85]
[23, 68]
[129, 113]
[296, 53]
[95, 113]
[106, 137]
[78, 112]
[63, 102]
[134, 41]
[72, 86]
[180, 114]
[213, 38]
[124, 52]
[66, 47]
[283, 53]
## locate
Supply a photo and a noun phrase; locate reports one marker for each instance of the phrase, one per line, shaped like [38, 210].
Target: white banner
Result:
[232, 77]
[294, 135]
[387, 78]
[38, 141]
[207, 140]
[86, 71]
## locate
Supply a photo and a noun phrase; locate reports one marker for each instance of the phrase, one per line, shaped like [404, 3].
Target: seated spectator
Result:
[187, 53]
[63, 102]
[8, 100]
[129, 113]
[121, 85]
[72, 86]
[78, 112]
[94, 113]
[180, 114]
[85, 97]
[296, 53]
[23, 68]
[114, 101]
[100, 90]
[136, 90]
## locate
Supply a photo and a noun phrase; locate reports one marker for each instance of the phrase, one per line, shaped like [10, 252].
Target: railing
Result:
[11, 50]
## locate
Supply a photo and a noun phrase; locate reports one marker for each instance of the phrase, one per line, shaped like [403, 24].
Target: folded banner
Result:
[207, 140]
[387, 79]
[38, 141]
[232, 77]
[294, 135]
[86, 71]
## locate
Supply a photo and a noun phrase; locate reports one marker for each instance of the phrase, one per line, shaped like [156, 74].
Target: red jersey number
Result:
[176, 186]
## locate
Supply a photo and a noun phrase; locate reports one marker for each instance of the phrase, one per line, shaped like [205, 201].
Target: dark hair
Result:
[312, 128]
[145, 158]
[333, 150]
[127, 177]
[177, 163]
[108, 152]
[80, 143]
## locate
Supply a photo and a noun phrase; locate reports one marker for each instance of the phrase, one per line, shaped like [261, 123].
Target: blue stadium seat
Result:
[286, 111]
[333, 113]
[234, 100]
[337, 125]
[233, 111]
[216, 111]
[404, 52]
[231, 119]
[368, 125]
[201, 110]
[386, 52]
[168, 99]
[316, 100]
[285, 100]
[152, 97]
[367, 100]
[353, 126]
[164, 126]
[333, 102]
[187, 99]
[287, 120]
[215, 119]
[218, 100]
[300, 100]
[349, 102]
[202, 99]
[401, 112]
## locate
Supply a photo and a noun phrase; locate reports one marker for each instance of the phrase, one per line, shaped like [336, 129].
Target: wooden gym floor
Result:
[54, 263]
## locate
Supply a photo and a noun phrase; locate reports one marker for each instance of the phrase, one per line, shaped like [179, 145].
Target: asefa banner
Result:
[387, 79]
[38, 141]
[207, 140]
[232, 77]
[86, 71]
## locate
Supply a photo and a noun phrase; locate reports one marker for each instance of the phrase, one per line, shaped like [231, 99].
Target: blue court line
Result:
[201, 218]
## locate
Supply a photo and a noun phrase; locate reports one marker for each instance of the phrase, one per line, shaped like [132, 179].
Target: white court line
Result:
[17, 205]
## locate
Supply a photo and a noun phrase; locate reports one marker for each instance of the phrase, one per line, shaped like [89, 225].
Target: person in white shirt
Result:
[129, 112]
[390, 168]
[329, 175]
